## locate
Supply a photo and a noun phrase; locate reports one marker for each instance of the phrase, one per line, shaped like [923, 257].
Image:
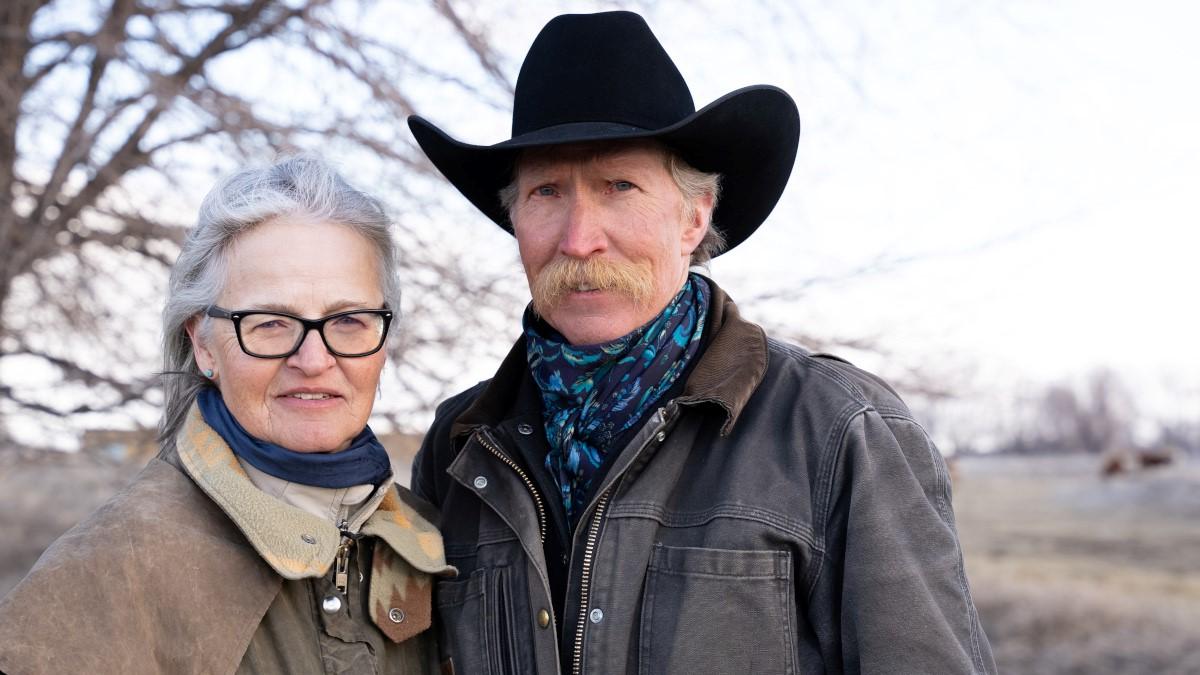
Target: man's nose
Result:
[584, 231]
[312, 358]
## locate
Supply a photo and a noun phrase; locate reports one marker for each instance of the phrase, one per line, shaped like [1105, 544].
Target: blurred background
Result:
[993, 207]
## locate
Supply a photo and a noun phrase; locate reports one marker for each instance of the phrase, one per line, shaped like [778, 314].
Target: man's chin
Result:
[595, 323]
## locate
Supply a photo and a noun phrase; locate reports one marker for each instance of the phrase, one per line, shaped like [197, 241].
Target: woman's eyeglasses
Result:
[276, 335]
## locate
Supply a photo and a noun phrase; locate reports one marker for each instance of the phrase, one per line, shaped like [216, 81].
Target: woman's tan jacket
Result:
[192, 569]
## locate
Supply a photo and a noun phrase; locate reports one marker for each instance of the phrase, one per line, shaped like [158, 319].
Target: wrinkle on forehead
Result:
[303, 268]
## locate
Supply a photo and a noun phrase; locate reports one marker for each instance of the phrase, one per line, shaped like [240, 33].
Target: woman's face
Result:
[310, 401]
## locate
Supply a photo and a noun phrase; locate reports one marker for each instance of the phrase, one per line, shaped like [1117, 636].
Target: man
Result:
[649, 483]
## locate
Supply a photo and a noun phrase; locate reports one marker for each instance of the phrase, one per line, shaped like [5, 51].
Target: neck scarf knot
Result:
[591, 394]
[364, 462]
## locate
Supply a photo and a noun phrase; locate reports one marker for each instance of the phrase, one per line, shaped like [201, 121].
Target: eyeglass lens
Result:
[273, 335]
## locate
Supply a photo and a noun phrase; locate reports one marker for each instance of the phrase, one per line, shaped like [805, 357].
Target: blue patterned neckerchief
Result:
[593, 393]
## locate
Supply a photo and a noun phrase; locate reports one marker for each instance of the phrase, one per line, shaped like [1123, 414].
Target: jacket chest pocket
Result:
[478, 623]
[717, 611]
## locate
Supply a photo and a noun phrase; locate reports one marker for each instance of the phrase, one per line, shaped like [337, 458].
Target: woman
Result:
[267, 535]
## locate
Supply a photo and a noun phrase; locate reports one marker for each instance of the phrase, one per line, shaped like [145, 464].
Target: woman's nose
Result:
[312, 357]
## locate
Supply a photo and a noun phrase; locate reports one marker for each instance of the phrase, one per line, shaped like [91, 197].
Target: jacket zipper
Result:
[341, 562]
[486, 442]
[589, 550]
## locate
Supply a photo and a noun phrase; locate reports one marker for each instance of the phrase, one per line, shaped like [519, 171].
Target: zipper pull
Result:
[332, 604]
[341, 564]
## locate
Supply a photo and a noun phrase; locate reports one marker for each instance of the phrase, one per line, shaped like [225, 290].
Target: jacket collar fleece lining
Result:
[729, 370]
[281, 533]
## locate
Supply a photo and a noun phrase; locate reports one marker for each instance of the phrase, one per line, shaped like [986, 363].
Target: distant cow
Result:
[1128, 460]
[1156, 457]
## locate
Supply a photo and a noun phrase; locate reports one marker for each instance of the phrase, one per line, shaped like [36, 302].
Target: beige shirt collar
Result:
[336, 505]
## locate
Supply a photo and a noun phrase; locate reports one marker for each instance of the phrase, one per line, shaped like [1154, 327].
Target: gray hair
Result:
[692, 183]
[302, 185]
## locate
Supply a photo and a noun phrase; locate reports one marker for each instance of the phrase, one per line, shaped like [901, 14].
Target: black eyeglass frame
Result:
[318, 325]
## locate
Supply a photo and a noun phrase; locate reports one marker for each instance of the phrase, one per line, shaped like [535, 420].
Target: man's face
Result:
[603, 236]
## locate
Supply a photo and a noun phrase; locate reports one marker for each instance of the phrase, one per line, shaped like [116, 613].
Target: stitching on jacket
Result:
[847, 385]
[960, 570]
[972, 611]
[659, 514]
[851, 387]
[831, 457]
[945, 511]
[892, 412]
[494, 536]
[947, 514]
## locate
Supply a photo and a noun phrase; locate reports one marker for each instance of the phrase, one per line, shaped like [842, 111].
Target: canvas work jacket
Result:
[783, 514]
[192, 569]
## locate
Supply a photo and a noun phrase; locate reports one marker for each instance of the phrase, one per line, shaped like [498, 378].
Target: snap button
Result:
[524, 429]
[396, 615]
[596, 615]
[480, 482]
[661, 436]
[543, 618]
[331, 604]
[308, 538]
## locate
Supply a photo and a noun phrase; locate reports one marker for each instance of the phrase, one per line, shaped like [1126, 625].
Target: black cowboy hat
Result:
[600, 77]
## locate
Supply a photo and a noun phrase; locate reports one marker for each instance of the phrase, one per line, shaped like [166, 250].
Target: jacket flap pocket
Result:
[721, 562]
[717, 611]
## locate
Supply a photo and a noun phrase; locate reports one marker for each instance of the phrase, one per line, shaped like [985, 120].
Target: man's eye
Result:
[544, 191]
[622, 185]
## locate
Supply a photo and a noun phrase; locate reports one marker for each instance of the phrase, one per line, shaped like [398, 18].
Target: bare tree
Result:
[115, 116]
[1095, 416]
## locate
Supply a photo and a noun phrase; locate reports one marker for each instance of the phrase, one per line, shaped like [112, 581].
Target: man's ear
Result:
[204, 358]
[695, 229]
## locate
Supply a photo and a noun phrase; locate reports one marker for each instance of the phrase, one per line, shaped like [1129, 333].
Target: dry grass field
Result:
[1072, 573]
[44, 493]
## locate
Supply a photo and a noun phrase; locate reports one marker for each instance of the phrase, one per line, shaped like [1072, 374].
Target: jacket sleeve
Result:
[894, 575]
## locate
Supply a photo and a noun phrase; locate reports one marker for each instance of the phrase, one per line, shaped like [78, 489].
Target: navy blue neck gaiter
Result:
[364, 462]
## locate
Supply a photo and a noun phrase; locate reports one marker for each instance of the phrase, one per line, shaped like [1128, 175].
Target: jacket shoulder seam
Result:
[829, 372]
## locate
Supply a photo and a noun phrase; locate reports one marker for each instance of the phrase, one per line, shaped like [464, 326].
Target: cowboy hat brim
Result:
[748, 136]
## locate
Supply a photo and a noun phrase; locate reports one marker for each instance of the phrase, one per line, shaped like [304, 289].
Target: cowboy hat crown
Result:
[604, 77]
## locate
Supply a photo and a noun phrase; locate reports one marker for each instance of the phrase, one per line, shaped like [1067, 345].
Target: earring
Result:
[208, 373]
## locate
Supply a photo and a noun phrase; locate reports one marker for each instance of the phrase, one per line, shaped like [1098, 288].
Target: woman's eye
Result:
[544, 191]
[622, 185]
[267, 325]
